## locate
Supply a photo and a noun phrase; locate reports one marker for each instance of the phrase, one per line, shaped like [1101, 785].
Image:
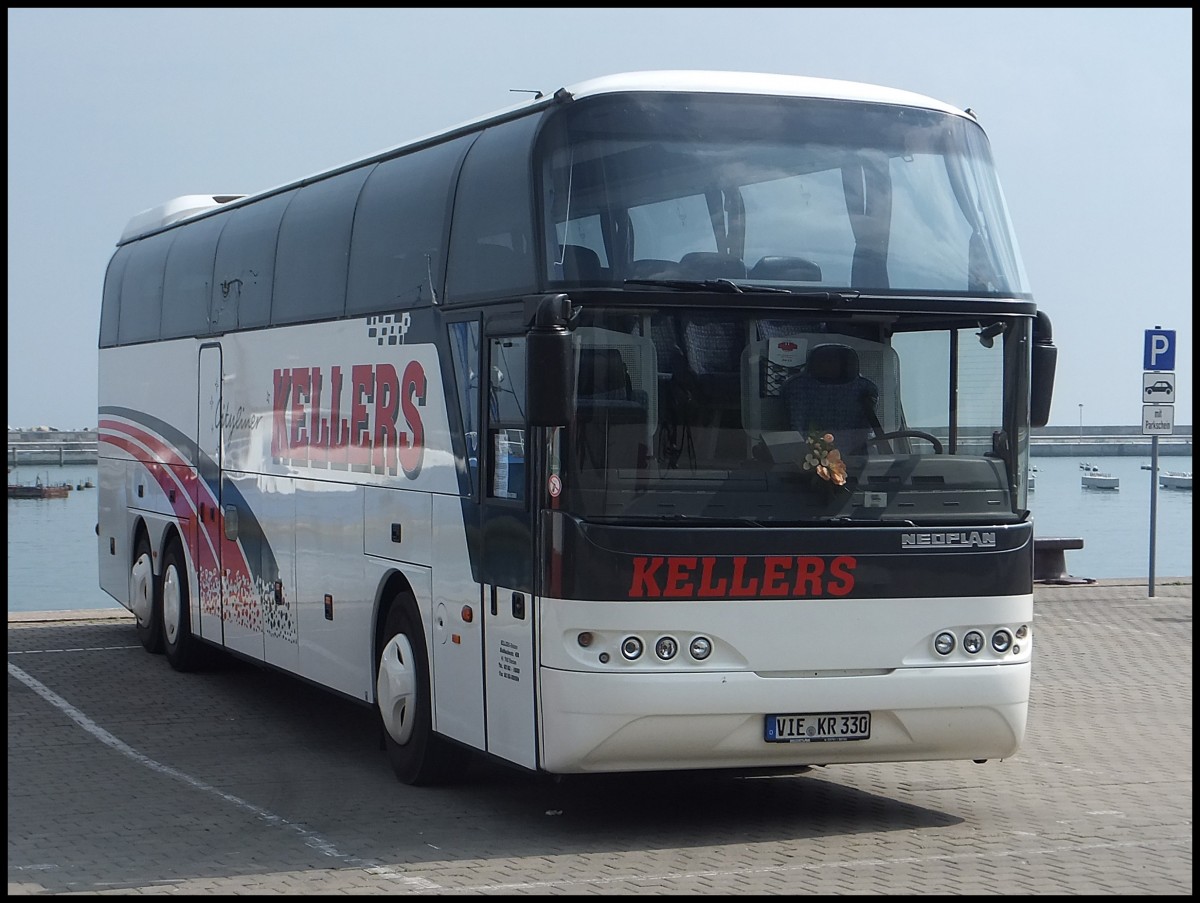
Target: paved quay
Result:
[125, 777]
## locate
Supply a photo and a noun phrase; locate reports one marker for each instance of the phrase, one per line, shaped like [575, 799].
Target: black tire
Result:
[182, 648]
[143, 597]
[418, 756]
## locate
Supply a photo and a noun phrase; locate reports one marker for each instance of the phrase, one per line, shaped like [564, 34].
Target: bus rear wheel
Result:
[181, 647]
[143, 600]
[417, 755]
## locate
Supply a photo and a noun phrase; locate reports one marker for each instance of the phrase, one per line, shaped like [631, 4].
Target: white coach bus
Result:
[673, 420]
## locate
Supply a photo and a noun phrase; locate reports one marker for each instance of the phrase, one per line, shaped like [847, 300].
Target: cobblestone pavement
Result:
[126, 777]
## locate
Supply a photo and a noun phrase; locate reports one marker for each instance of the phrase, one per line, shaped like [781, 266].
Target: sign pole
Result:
[1153, 504]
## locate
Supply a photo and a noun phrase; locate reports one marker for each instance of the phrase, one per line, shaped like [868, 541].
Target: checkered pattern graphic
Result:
[387, 329]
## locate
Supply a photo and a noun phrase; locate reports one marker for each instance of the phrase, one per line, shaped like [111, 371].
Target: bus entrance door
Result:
[509, 675]
[205, 538]
[507, 539]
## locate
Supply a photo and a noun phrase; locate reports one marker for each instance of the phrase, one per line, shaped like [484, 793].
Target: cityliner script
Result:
[683, 577]
[329, 420]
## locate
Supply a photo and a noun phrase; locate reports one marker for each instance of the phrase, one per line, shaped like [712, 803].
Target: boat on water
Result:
[1094, 479]
[1169, 479]
[38, 490]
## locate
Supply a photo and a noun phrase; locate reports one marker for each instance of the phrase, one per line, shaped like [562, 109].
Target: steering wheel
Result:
[911, 434]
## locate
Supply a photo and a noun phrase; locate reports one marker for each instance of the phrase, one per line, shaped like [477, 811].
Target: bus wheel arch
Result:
[144, 600]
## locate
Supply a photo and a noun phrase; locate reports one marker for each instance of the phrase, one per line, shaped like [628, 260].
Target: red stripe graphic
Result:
[170, 470]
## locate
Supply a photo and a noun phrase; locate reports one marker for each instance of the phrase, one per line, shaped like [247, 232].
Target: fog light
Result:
[700, 648]
[944, 643]
[584, 639]
[1001, 640]
[666, 647]
[973, 641]
[631, 648]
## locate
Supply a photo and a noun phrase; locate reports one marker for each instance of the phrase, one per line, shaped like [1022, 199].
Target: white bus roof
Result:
[678, 80]
[719, 82]
[173, 211]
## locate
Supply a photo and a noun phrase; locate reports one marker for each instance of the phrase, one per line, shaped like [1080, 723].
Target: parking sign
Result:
[1158, 387]
[1158, 419]
[1159, 350]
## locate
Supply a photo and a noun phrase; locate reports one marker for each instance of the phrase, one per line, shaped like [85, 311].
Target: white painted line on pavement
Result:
[311, 838]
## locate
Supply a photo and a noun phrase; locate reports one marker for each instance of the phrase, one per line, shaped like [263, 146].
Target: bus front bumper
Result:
[607, 722]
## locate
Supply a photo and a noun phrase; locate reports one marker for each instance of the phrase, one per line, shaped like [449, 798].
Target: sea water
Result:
[1115, 524]
[53, 564]
[52, 545]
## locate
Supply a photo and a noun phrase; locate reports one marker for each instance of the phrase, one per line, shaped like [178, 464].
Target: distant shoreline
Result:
[50, 446]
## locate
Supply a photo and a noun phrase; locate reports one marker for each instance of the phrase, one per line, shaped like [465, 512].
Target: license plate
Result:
[815, 728]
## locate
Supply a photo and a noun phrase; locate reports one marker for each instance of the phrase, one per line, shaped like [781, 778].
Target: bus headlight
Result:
[666, 647]
[973, 641]
[1001, 640]
[700, 647]
[944, 643]
[631, 648]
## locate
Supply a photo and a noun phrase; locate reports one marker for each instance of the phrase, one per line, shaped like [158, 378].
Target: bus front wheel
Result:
[143, 601]
[417, 755]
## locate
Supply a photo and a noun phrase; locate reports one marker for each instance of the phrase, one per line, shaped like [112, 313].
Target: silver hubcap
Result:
[172, 604]
[141, 589]
[396, 688]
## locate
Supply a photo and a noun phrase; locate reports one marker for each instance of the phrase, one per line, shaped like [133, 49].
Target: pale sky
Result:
[113, 111]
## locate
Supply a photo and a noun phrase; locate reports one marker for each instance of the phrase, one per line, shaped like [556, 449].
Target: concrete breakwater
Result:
[44, 446]
[52, 447]
[1098, 441]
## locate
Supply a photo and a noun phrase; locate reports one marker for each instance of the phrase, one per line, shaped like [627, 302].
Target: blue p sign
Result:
[1160, 349]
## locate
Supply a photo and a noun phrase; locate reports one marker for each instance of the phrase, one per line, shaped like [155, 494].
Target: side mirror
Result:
[549, 368]
[1041, 375]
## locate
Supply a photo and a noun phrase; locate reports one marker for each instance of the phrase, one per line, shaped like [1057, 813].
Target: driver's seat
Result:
[830, 395]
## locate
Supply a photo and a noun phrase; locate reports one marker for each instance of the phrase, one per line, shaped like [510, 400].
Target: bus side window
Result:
[140, 313]
[506, 418]
[498, 261]
[508, 464]
[464, 351]
[490, 253]
[313, 250]
[398, 245]
[244, 272]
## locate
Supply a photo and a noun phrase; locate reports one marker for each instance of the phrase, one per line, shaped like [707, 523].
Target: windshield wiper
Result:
[705, 285]
[728, 285]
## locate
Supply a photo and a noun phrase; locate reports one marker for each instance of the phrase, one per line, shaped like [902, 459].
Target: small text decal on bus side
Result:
[682, 577]
[328, 420]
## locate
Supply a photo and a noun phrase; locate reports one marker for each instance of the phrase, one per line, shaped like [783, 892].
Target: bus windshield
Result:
[791, 418]
[774, 191]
